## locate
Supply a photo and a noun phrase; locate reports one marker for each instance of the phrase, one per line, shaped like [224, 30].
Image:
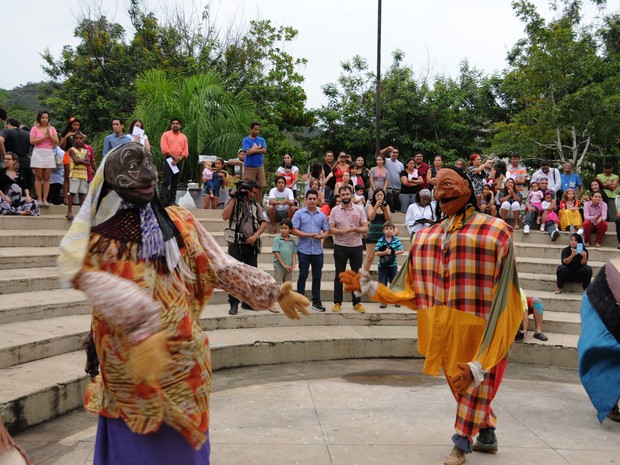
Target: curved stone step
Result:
[548, 265]
[33, 392]
[27, 341]
[36, 305]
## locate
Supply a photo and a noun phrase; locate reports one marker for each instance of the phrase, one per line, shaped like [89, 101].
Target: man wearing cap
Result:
[570, 179]
[609, 181]
[237, 163]
[553, 178]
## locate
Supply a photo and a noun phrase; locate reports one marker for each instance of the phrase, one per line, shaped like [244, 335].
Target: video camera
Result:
[242, 190]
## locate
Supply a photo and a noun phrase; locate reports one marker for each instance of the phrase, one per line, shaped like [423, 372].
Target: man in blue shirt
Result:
[116, 138]
[571, 180]
[255, 149]
[311, 226]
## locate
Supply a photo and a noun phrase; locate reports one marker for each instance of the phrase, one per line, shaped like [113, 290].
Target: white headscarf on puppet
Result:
[122, 170]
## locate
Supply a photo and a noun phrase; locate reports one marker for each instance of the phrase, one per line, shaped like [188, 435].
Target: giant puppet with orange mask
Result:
[461, 278]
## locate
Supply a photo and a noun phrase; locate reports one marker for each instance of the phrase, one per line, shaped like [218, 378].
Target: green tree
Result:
[448, 116]
[258, 63]
[213, 119]
[95, 79]
[556, 84]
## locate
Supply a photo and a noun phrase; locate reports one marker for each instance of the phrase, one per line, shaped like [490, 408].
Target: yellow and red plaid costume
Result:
[463, 283]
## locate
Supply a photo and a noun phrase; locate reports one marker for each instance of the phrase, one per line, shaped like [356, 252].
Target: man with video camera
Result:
[246, 223]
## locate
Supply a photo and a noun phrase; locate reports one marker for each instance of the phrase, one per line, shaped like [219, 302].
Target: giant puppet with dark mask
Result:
[148, 272]
[461, 278]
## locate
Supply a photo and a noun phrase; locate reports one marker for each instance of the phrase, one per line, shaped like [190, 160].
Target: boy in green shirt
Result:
[284, 252]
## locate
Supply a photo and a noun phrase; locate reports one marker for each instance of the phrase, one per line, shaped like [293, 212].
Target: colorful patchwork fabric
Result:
[181, 401]
[464, 285]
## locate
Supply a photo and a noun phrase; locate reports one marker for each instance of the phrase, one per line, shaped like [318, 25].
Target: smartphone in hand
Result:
[579, 248]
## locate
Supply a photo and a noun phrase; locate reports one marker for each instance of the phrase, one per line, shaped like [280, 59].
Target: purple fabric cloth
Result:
[116, 444]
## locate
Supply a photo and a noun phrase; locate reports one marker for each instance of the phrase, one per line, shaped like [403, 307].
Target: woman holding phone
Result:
[574, 265]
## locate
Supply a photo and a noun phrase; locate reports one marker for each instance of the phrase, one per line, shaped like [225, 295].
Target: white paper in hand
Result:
[173, 167]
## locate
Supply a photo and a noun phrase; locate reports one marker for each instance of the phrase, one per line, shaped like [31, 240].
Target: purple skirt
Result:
[116, 444]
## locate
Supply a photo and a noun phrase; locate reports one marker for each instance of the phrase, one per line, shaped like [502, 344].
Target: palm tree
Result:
[214, 120]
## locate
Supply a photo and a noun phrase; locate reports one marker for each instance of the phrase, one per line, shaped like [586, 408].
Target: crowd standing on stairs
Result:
[355, 230]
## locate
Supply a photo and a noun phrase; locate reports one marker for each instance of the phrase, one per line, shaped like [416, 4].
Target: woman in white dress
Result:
[44, 137]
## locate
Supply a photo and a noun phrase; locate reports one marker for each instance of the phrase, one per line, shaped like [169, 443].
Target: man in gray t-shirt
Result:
[394, 167]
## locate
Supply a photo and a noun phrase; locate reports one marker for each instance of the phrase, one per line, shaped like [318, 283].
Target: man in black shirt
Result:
[330, 185]
[16, 140]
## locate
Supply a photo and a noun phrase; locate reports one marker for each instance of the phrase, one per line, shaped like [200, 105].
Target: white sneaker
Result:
[580, 232]
[526, 229]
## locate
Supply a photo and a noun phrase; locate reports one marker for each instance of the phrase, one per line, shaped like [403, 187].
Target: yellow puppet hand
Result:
[351, 280]
[463, 379]
[149, 360]
[292, 303]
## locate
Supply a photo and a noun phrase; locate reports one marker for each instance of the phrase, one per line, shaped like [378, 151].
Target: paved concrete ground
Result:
[364, 412]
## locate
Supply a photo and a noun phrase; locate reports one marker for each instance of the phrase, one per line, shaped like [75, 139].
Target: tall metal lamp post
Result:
[378, 86]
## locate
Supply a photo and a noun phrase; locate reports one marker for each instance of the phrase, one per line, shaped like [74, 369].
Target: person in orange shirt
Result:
[174, 148]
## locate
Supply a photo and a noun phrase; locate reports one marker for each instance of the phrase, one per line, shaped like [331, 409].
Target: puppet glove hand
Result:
[292, 303]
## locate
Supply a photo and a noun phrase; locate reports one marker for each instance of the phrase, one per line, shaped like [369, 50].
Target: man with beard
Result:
[175, 149]
[461, 278]
[148, 271]
[347, 223]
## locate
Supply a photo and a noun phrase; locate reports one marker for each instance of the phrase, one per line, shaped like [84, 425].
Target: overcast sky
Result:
[435, 35]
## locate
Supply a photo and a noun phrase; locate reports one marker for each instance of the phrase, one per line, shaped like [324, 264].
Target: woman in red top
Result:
[343, 166]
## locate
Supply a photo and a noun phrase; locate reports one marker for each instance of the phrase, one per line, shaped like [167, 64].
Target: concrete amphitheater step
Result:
[36, 305]
[546, 282]
[539, 242]
[30, 237]
[27, 257]
[28, 279]
[553, 251]
[24, 342]
[548, 265]
[28, 341]
[37, 391]
[21, 280]
[529, 258]
[30, 306]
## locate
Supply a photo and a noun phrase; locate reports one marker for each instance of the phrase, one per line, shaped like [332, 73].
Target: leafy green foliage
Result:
[559, 90]
[213, 120]
[450, 117]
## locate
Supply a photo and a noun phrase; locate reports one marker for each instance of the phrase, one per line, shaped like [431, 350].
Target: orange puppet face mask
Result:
[452, 191]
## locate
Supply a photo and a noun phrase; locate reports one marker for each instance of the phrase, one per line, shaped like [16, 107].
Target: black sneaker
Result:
[383, 306]
[520, 336]
[247, 306]
[234, 308]
[614, 414]
[541, 336]
[486, 441]
[318, 307]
